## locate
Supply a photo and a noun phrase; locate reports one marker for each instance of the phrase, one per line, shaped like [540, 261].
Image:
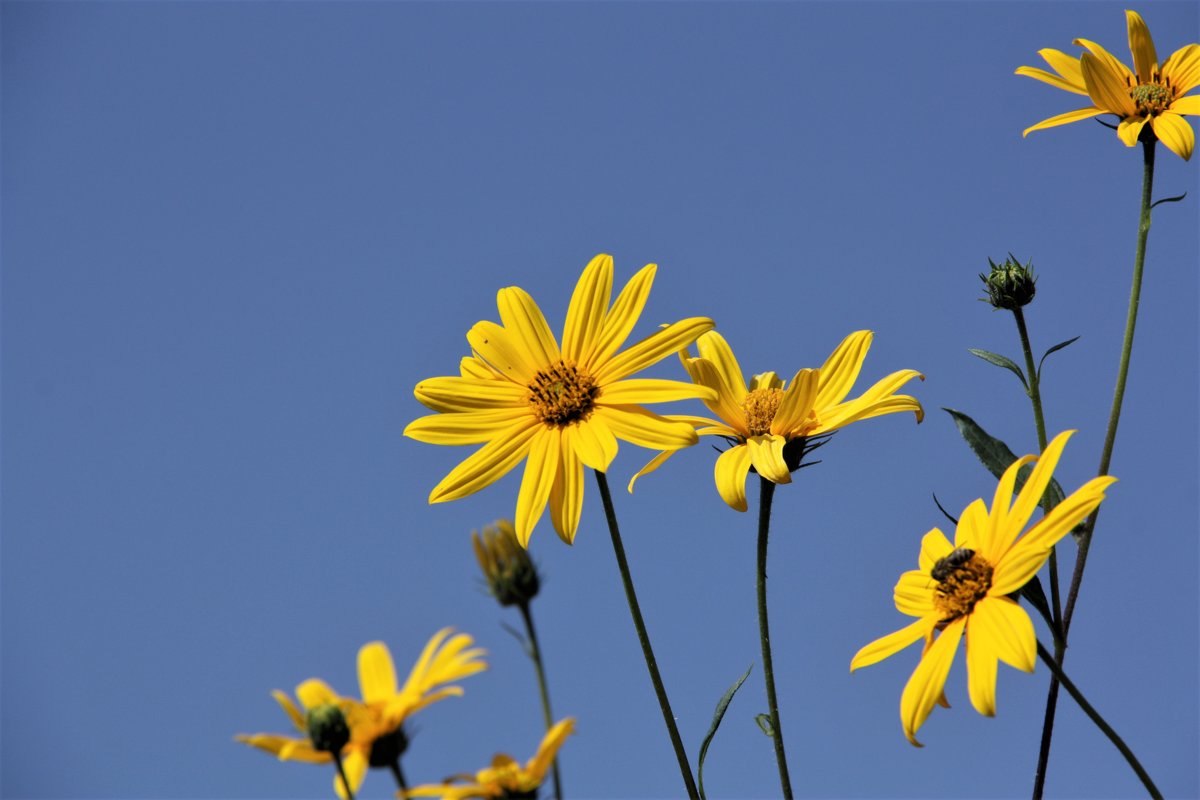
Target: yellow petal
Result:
[651, 466]
[766, 380]
[1129, 129]
[1000, 534]
[1063, 119]
[840, 370]
[713, 348]
[355, 766]
[652, 349]
[925, 686]
[1053, 80]
[293, 750]
[644, 428]
[315, 692]
[1105, 88]
[540, 468]
[469, 394]
[488, 464]
[797, 402]
[290, 709]
[972, 528]
[1174, 131]
[728, 403]
[1035, 485]
[637, 391]
[1183, 69]
[566, 496]
[475, 367]
[593, 442]
[766, 454]
[466, 427]
[1111, 64]
[503, 351]
[619, 321]
[886, 646]
[585, 314]
[522, 318]
[913, 593]
[730, 472]
[1145, 60]
[376, 673]
[981, 668]
[1006, 629]
[1065, 65]
[934, 547]
[536, 767]
[1187, 105]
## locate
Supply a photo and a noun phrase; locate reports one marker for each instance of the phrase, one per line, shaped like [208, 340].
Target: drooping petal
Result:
[355, 766]
[730, 471]
[1063, 119]
[566, 496]
[593, 442]
[466, 427]
[451, 394]
[1183, 69]
[766, 454]
[1105, 87]
[1145, 59]
[637, 391]
[1035, 485]
[925, 686]
[913, 593]
[645, 428]
[981, 668]
[521, 316]
[1175, 132]
[290, 709]
[840, 370]
[797, 403]
[1007, 630]
[651, 466]
[619, 321]
[503, 351]
[1054, 80]
[934, 547]
[541, 466]
[376, 673]
[728, 403]
[886, 646]
[1130, 128]
[302, 750]
[713, 348]
[652, 349]
[488, 464]
[585, 314]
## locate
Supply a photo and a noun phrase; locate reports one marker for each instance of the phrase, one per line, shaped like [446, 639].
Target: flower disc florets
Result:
[561, 394]
[1151, 98]
[1009, 285]
[964, 584]
[760, 406]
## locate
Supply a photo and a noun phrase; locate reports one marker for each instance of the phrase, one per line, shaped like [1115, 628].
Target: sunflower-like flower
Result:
[557, 407]
[376, 735]
[963, 590]
[505, 778]
[760, 420]
[1148, 94]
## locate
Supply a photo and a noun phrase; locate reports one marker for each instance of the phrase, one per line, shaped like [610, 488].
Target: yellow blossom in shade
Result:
[962, 590]
[505, 778]
[559, 407]
[1147, 94]
[376, 737]
[759, 420]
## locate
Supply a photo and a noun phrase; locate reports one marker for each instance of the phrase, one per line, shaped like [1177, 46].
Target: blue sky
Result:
[237, 234]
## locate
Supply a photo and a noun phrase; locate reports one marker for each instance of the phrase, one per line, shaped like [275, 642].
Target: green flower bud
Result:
[510, 573]
[327, 728]
[1009, 285]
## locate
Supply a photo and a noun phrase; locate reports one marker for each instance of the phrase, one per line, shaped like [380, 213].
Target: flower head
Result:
[376, 737]
[764, 418]
[1009, 284]
[962, 590]
[1150, 93]
[505, 778]
[511, 575]
[558, 407]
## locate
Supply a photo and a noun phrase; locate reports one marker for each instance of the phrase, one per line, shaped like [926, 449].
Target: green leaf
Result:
[1000, 361]
[764, 724]
[1054, 349]
[718, 715]
[1033, 592]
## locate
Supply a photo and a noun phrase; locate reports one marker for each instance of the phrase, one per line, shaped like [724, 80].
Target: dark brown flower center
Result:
[760, 406]
[561, 394]
[964, 579]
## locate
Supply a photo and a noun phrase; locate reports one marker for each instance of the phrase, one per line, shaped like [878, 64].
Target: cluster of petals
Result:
[494, 401]
[384, 705]
[995, 627]
[812, 404]
[505, 778]
[1149, 94]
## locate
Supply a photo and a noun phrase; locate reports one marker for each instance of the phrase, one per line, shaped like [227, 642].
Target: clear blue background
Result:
[237, 234]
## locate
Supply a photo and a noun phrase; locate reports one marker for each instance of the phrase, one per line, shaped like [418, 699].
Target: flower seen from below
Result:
[962, 590]
[1150, 93]
[505, 778]
[761, 419]
[557, 406]
[377, 738]
[512, 577]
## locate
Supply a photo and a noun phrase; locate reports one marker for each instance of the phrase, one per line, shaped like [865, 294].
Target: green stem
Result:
[766, 494]
[1095, 717]
[398, 774]
[1114, 416]
[684, 768]
[337, 759]
[542, 687]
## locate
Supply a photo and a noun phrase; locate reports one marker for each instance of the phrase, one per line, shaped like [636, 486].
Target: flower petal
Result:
[637, 391]
[535, 768]
[1007, 630]
[840, 370]
[488, 464]
[619, 321]
[585, 314]
[1063, 119]
[290, 709]
[315, 692]
[1035, 485]
[566, 496]
[886, 646]
[934, 547]
[972, 528]
[466, 427]
[521, 316]
[713, 348]
[981, 667]
[503, 351]
[652, 349]
[469, 394]
[1000, 534]
[540, 468]
[302, 750]
[376, 673]
[651, 466]
[1105, 87]
[797, 403]
[355, 766]
[728, 403]
[1145, 59]
[913, 593]
[645, 428]
[730, 473]
[1175, 132]
[1130, 128]
[592, 442]
[1183, 69]
[1186, 105]
[1054, 80]
[1120, 73]
[766, 454]
[924, 688]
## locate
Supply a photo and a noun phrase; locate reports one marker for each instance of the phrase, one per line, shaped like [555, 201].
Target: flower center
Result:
[760, 407]
[561, 394]
[1151, 98]
[964, 579]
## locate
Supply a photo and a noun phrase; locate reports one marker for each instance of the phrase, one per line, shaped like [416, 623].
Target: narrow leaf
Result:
[1000, 361]
[764, 724]
[1036, 596]
[1054, 349]
[718, 715]
[945, 513]
[516, 634]
[1175, 199]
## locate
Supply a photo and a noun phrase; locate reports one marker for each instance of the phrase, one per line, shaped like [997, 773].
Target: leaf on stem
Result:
[764, 724]
[1054, 349]
[718, 715]
[1000, 361]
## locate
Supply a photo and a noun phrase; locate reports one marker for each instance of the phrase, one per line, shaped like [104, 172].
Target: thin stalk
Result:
[337, 759]
[766, 494]
[542, 687]
[1110, 437]
[1095, 717]
[684, 768]
[398, 774]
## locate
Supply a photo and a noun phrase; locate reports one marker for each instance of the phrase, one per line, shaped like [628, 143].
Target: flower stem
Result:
[766, 494]
[542, 688]
[1110, 437]
[1094, 715]
[337, 759]
[684, 768]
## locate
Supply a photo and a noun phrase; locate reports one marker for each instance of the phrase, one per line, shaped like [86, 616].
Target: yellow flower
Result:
[505, 778]
[962, 590]
[376, 736]
[761, 419]
[559, 408]
[1147, 94]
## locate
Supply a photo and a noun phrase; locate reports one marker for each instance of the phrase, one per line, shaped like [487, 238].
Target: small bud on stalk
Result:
[327, 728]
[511, 575]
[1010, 285]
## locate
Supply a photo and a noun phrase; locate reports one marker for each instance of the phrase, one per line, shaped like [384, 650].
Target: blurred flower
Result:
[1148, 94]
[505, 778]
[376, 737]
[511, 575]
[1010, 284]
[761, 420]
[963, 589]
[558, 408]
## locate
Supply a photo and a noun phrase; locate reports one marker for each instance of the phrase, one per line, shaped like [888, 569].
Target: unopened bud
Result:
[327, 728]
[1010, 285]
[511, 575]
